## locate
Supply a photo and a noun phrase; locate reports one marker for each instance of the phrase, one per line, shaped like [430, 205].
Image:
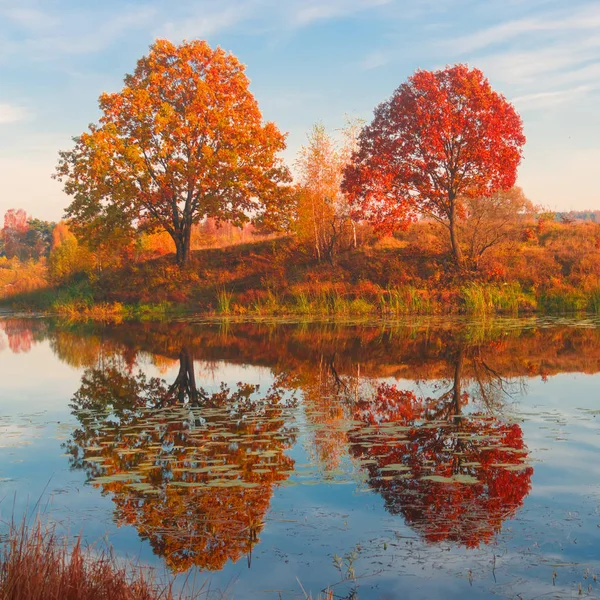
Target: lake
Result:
[428, 458]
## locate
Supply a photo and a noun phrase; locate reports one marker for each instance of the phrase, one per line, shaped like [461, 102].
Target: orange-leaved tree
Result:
[322, 215]
[442, 137]
[183, 140]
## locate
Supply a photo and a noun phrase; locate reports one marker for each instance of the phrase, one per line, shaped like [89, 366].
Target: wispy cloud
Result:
[38, 34]
[542, 60]
[203, 19]
[563, 57]
[585, 18]
[549, 99]
[206, 18]
[29, 18]
[309, 11]
[12, 114]
[374, 60]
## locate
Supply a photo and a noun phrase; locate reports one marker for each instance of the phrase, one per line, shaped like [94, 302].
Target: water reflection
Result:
[454, 475]
[422, 415]
[192, 471]
[21, 334]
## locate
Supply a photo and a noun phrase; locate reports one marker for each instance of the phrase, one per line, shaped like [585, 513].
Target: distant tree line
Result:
[571, 216]
[24, 237]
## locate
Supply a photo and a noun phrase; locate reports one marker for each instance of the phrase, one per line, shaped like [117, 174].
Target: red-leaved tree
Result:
[14, 231]
[443, 136]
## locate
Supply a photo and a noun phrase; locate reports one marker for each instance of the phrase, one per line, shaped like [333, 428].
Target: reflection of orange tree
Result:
[195, 477]
[454, 477]
[326, 398]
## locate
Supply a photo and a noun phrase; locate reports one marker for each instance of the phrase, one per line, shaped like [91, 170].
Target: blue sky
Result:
[308, 61]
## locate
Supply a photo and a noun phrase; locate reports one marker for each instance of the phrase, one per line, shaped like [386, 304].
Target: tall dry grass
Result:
[38, 564]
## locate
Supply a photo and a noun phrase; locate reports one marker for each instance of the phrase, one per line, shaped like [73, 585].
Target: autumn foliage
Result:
[184, 140]
[193, 472]
[441, 137]
[455, 477]
[182, 169]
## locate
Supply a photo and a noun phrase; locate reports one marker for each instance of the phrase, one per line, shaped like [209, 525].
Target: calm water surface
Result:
[426, 459]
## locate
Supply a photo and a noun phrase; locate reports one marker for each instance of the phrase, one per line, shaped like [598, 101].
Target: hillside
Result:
[549, 268]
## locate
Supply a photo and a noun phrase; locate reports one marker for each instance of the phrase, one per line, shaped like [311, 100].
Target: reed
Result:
[38, 564]
[224, 301]
[563, 301]
[594, 300]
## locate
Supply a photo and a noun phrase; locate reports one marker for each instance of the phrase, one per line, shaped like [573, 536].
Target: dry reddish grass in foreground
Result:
[37, 564]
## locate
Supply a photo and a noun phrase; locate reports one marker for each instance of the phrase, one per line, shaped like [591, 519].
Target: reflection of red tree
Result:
[20, 334]
[389, 405]
[454, 479]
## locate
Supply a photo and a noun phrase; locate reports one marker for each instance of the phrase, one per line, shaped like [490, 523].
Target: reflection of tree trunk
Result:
[457, 388]
[184, 387]
[457, 409]
[339, 382]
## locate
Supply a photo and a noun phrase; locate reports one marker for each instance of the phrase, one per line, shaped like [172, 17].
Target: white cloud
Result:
[42, 36]
[12, 114]
[108, 29]
[374, 60]
[544, 63]
[306, 12]
[586, 18]
[30, 18]
[207, 20]
[565, 60]
[549, 99]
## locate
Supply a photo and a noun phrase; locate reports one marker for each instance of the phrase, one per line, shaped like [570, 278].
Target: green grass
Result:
[491, 298]
[302, 303]
[594, 300]
[80, 300]
[224, 302]
[406, 300]
[562, 302]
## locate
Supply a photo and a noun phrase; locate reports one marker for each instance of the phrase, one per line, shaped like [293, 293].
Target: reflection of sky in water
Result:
[557, 529]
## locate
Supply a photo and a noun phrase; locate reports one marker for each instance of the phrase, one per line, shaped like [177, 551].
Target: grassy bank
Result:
[476, 299]
[281, 278]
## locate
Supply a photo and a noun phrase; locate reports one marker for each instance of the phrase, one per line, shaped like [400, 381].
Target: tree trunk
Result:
[456, 250]
[182, 239]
